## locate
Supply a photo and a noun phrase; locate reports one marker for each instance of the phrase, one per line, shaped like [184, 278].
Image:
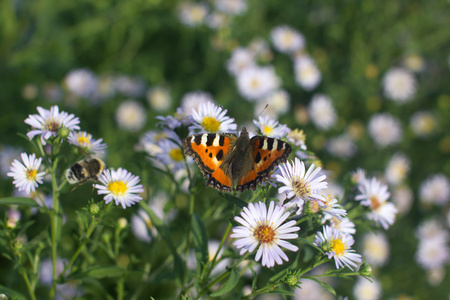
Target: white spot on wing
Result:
[204, 139]
[275, 144]
[264, 147]
[216, 141]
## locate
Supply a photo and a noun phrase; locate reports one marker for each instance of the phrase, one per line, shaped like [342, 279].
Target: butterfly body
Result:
[229, 161]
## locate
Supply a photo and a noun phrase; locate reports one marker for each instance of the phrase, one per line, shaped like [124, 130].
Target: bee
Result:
[82, 171]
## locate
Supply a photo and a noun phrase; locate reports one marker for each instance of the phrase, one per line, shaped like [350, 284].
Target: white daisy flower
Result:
[286, 39]
[300, 185]
[270, 127]
[374, 195]
[217, 20]
[432, 253]
[385, 129]
[192, 100]
[376, 248]
[331, 207]
[307, 74]
[120, 186]
[48, 123]
[342, 146]
[131, 115]
[81, 82]
[397, 169]
[423, 123]
[231, 7]
[432, 230]
[210, 117]
[171, 154]
[149, 142]
[298, 138]
[399, 85]
[177, 120]
[435, 190]
[402, 197]
[337, 245]
[359, 176]
[367, 290]
[343, 225]
[84, 140]
[257, 82]
[241, 59]
[159, 99]
[140, 226]
[105, 89]
[192, 14]
[7, 156]
[263, 227]
[26, 176]
[129, 86]
[322, 112]
[275, 104]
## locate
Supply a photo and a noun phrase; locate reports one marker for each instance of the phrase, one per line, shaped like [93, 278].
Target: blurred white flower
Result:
[131, 115]
[241, 59]
[192, 100]
[81, 82]
[322, 112]
[231, 7]
[375, 248]
[270, 127]
[366, 290]
[399, 85]
[307, 74]
[286, 39]
[342, 146]
[274, 104]
[106, 88]
[385, 129]
[397, 169]
[159, 99]
[171, 154]
[414, 62]
[192, 14]
[432, 230]
[130, 86]
[435, 190]
[432, 253]
[423, 123]
[298, 138]
[256, 83]
[402, 197]
[344, 225]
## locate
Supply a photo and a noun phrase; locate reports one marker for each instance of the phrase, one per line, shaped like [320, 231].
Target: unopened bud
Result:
[94, 209]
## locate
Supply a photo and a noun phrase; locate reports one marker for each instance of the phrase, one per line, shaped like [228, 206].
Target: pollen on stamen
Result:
[374, 203]
[117, 187]
[337, 246]
[31, 174]
[176, 154]
[301, 188]
[264, 234]
[210, 124]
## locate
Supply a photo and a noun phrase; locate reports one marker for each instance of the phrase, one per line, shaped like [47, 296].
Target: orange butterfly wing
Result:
[208, 151]
[267, 154]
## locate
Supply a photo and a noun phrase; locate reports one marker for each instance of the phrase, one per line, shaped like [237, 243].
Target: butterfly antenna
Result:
[267, 105]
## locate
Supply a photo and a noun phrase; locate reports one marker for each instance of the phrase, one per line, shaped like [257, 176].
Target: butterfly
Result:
[228, 161]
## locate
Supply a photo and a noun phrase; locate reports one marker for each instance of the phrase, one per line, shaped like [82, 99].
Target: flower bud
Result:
[63, 132]
[292, 280]
[365, 270]
[94, 209]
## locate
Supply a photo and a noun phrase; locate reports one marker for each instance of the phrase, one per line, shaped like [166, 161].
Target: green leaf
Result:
[311, 244]
[233, 279]
[102, 272]
[325, 285]
[12, 294]
[254, 280]
[19, 201]
[200, 240]
[234, 200]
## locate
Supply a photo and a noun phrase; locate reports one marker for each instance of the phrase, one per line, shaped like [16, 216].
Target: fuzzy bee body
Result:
[82, 171]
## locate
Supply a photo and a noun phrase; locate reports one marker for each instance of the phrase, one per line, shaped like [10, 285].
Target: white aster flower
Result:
[298, 138]
[399, 85]
[435, 190]
[149, 142]
[210, 117]
[192, 100]
[366, 290]
[300, 185]
[48, 123]
[105, 89]
[264, 228]
[331, 207]
[307, 74]
[359, 176]
[322, 112]
[175, 121]
[81, 82]
[376, 248]
[217, 20]
[26, 176]
[171, 154]
[423, 123]
[374, 195]
[7, 156]
[402, 197]
[257, 82]
[84, 140]
[231, 7]
[129, 86]
[159, 99]
[131, 115]
[241, 59]
[432, 253]
[397, 169]
[140, 226]
[432, 230]
[337, 245]
[192, 14]
[286, 39]
[270, 127]
[275, 104]
[385, 129]
[343, 225]
[312, 290]
[120, 186]
[342, 146]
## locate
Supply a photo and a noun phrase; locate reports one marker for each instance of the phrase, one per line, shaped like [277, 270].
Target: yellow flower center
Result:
[176, 154]
[52, 125]
[337, 246]
[31, 174]
[374, 203]
[267, 130]
[117, 187]
[301, 188]
[264, 234]
[84, 140]
[210, 124]
[255, 83]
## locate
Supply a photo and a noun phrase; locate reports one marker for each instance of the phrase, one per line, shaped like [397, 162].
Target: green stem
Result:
[332, 274]
[28, 284]
[120, 288]
[54, 224]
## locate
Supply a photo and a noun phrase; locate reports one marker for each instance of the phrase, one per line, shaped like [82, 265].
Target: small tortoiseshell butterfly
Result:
[228, 161]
